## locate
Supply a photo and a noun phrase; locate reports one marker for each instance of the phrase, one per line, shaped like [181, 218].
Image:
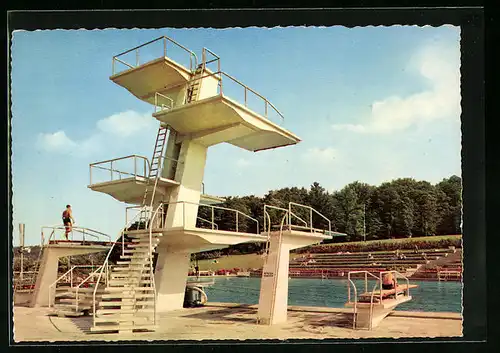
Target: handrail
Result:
[145, 161]
[83, 230]
[311, 218]
[55, 282]
[70, 271]
[151, 257]
[163, 96]
[165, 39]
[212, 207]
[355, 300]
[106, 264]
[92, 274]
[206, 220]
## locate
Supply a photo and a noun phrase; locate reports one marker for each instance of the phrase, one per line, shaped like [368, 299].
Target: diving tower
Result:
[194, 112]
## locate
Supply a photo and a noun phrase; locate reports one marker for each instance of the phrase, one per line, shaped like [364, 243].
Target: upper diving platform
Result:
[194, 100]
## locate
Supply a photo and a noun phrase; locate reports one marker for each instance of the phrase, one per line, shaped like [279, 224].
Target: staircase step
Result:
[129, 289]
[124, 311]
[138, 261]
[138, 320]
[113, 328]
[127, 295]
[71, 307]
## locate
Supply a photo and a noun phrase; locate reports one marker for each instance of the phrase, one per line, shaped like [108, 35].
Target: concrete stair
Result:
[128, 304]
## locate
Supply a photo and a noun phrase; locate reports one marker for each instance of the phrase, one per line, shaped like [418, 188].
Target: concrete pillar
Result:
[173, 264]
[48, 270]
[189, 174]
[170, 279]
[273, 299]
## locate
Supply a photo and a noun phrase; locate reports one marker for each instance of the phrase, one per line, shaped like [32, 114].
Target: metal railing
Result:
[311, 210]
[107, 165]
[65, 276]
[140, 168]
[220, 75]
[204, 61]
[85, 233]
[106, 266]
[91, 275]
[212, 219]
[355, 303]
[378, 283]
[158, 102]
[193, 60]
[213, 224]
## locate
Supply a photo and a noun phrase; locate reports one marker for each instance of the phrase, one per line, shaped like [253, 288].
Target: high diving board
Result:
[220, 119]
[162, 75]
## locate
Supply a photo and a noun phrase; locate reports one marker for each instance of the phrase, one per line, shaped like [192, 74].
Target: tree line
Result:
[403, 207]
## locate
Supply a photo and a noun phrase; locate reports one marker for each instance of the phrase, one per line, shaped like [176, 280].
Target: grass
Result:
[434, 238]
[256, 261]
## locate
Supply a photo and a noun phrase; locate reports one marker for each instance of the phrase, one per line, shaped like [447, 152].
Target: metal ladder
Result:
[155, 167]
[193, 91]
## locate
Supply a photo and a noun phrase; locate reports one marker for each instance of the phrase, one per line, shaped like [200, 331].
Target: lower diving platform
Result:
[371, 307]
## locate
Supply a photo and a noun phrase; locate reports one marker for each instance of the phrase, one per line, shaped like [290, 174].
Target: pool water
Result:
[428, 296]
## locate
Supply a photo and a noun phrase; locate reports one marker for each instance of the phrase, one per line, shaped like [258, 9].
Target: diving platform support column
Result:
[47, 273]
[273, 299]
[173, 261]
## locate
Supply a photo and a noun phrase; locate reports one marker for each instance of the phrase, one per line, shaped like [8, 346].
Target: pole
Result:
[364, 221]
[21, 247]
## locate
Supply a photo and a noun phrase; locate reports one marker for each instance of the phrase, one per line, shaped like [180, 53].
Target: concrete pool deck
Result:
[222, 321]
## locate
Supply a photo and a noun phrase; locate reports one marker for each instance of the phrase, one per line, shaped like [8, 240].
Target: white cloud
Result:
[242, 163]
[440, 65]
[322, 155]
[110, 130]
[126, 123]
[56, 142]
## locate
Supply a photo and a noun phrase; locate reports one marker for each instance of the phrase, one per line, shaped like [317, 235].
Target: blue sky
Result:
[369, 103]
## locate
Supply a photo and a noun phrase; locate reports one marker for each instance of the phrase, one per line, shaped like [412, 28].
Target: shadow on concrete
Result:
[341, 320]
[83, 323]
[233, 314]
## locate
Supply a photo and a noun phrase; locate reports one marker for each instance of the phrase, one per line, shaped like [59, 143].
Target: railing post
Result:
[366, 282]
[380, 279]
[137, 57]
[164, 47]
[236, 221]
[71, 277]
[113, 65]
[311, 219]
[245, 96]
[135, 166]
[213, 220]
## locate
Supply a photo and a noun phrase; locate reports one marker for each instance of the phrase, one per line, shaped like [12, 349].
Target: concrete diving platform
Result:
[371, 307]
[225, 120]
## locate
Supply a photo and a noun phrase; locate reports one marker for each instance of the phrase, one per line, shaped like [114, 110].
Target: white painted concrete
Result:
[49, 264]
[170, 278]
[273, 299]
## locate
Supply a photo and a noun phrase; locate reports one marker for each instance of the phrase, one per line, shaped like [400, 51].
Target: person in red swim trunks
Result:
[68, 220]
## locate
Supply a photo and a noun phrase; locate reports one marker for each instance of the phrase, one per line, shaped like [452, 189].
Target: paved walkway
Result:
[228, 321]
